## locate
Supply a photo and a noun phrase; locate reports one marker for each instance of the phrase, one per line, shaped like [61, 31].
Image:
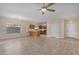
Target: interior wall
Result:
[73, 29]
[63, 28]
[55, 28]
[24, 27]
[52, 29]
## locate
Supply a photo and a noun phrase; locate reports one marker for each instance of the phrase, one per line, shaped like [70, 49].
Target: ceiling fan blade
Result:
[52, 10]
[50, 4]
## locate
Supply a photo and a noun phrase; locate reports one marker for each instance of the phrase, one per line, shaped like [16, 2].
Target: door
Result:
[70, 29]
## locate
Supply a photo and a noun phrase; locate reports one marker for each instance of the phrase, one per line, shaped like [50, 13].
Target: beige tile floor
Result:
[39, 46]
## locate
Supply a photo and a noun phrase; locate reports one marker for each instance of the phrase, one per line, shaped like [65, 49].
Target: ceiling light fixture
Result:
[43, 9]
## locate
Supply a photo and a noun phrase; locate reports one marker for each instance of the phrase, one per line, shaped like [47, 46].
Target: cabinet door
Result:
[31, 26]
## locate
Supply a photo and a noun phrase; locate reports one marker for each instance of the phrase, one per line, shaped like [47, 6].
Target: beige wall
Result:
[24, 27]
[52, 28]
[60, 30]
[77, 23]
[55, 28]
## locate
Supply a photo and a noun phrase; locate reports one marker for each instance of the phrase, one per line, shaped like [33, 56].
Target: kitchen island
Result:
[34, 33]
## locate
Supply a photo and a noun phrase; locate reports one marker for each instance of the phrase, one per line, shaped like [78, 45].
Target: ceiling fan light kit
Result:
[44, 10]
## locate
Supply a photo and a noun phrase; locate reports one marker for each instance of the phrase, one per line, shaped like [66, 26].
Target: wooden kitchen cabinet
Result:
[34, 34]
[31, 26]
[37, 30]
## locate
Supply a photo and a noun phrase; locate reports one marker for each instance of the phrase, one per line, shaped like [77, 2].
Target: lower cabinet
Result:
[34, 34]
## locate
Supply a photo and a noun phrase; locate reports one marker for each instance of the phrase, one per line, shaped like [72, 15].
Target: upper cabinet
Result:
[31, 26]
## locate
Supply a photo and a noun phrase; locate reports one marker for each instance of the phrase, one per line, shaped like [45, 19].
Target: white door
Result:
[71, 30]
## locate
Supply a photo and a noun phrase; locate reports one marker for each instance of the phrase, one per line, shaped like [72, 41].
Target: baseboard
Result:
[57, 37]
[10, 36]
[71, 37]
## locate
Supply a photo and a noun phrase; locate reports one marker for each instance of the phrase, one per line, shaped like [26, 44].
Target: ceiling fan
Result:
[45, 7]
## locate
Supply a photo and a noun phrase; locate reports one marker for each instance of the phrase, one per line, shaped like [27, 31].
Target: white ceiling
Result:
[28, 11]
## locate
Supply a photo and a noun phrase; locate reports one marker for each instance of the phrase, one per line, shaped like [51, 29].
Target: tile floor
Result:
[39, 46]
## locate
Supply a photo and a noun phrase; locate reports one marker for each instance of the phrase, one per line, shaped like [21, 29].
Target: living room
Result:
[23, 23]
